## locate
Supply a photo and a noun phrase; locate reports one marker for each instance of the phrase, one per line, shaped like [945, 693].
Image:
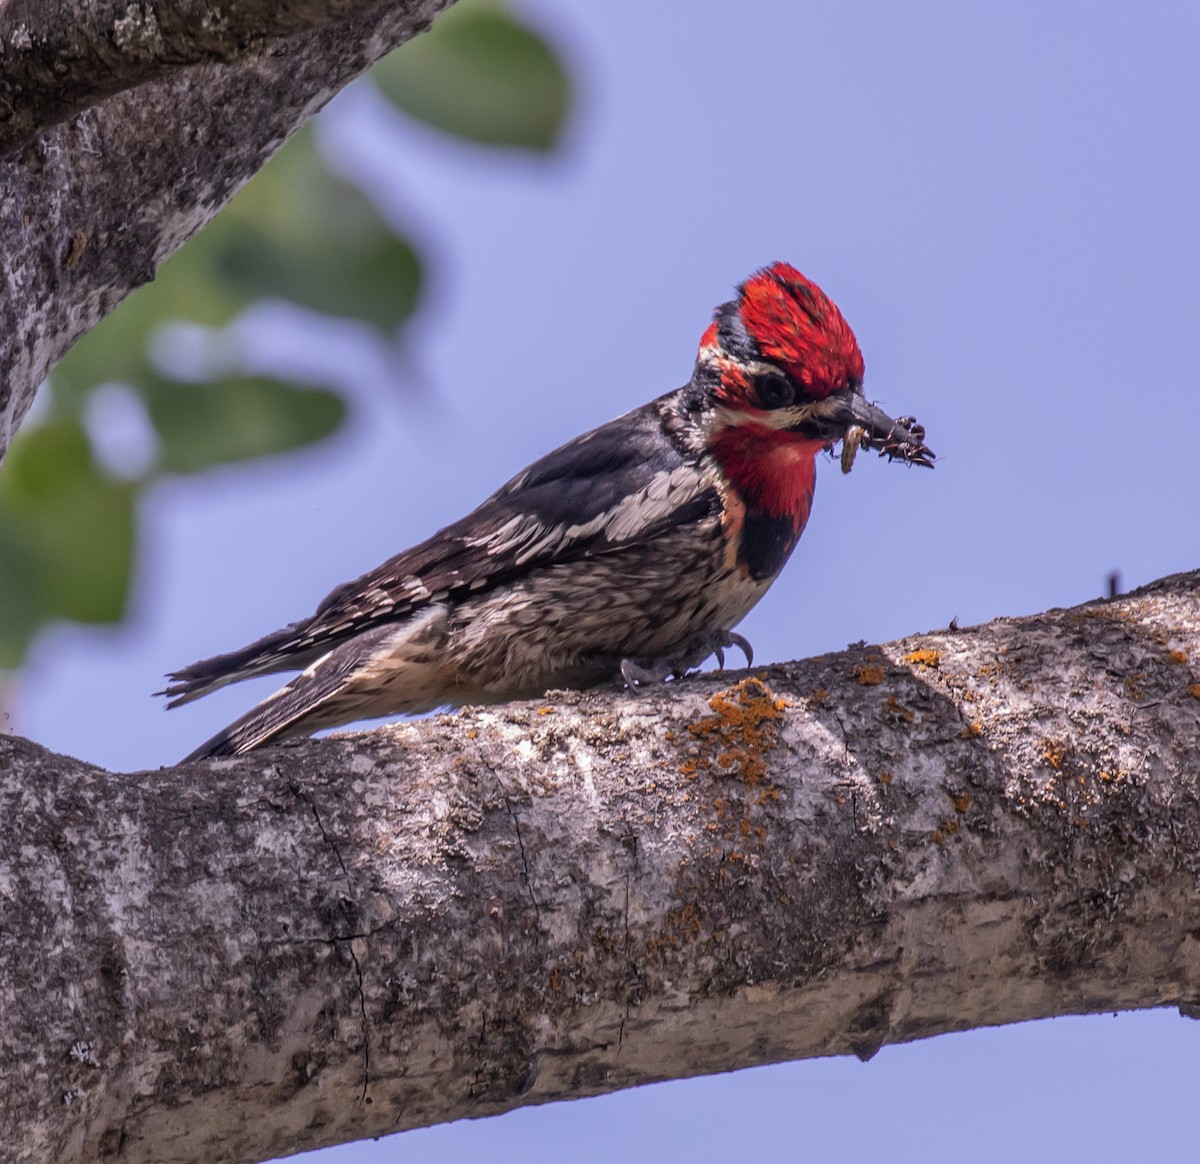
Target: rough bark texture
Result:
[62, 56]
[239, 959]
[174, 107]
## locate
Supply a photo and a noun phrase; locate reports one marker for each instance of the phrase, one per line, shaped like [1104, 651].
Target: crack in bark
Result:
[525, 875]
[848, 764]
[630, 842]
[332, 940]
[298, 791]
[347, 941]
[537, 911]
[362, 1010]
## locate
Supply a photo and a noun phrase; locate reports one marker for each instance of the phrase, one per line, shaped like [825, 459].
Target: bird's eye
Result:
[775, 390]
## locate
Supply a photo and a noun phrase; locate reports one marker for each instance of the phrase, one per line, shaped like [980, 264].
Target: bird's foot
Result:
[636, 674]
[727, 638]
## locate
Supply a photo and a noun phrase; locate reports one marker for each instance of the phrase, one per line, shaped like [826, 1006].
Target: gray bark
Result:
[239, 959]
[124, 127]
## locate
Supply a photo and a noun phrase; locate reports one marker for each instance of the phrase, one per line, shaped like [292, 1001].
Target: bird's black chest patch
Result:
[767, 542]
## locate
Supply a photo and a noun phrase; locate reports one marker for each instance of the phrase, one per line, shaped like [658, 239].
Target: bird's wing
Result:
[617, 485]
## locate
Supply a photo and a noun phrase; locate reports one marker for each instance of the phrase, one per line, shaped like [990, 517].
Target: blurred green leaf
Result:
[353, 268]
[49, 460]
[295, 232]
[235, 419]
[298, 232]
[20, 605]
[66, 536]
[480, 75]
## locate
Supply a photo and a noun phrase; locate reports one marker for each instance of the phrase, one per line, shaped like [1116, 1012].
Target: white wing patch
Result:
[525, 537]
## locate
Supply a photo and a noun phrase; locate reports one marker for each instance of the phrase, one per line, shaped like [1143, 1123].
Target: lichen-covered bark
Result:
[239, 959]
[201, 96]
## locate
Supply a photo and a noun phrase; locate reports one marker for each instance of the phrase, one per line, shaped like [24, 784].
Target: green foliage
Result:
[235, 419]
[66, 537]
[483, 77]
[296, 232]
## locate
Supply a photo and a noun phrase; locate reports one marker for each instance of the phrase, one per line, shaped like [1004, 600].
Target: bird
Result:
[628, 555]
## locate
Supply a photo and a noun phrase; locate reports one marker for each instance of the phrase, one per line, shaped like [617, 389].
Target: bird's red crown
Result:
[798, 327]
[781, 317]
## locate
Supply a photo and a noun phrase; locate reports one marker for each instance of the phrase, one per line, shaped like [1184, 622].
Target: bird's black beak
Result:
[848, 416]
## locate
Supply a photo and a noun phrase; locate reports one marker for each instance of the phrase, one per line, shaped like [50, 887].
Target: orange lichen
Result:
[1054, 752]
[472, 733]
[739, 734]
[937, 837]
[1194, 690]
[924, 657]
[870, 675]
[1177, 656]
[886, 778]
[726, 752]
[897, 709]
[682, 924]
[962, 802]
[819, 694]
[970, 731]
[544, 711]
[605, 940]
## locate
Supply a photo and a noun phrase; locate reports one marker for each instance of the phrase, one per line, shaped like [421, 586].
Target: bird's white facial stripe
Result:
[777, 418]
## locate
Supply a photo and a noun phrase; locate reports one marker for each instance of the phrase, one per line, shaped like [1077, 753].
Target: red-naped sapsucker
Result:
[629, 554]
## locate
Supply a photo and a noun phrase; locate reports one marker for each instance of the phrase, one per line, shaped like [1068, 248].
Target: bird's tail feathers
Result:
[336, 689]
[262, 657]
[292, 710]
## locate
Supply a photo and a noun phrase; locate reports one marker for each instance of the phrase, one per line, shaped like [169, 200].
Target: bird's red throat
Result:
[774, 471]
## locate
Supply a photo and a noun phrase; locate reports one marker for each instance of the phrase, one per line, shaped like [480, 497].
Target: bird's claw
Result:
[726, 638]
[636, 675]
[733, 639]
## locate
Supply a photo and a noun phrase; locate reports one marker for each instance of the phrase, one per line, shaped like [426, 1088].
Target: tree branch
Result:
[63, 56]
[157, 144]
[454, 917]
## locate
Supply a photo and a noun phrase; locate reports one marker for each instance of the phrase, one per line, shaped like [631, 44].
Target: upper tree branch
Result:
[172, 107]
[235, 960]
[63, 56]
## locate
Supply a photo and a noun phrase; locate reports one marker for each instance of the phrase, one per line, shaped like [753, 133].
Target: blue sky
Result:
[1003, 201]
